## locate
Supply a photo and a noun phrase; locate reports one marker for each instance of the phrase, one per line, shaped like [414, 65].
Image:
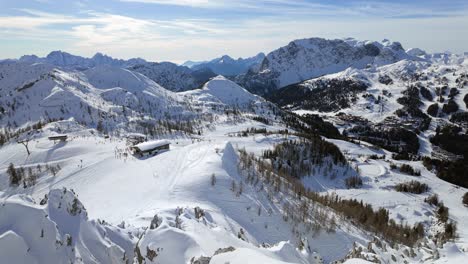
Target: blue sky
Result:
[178, 30]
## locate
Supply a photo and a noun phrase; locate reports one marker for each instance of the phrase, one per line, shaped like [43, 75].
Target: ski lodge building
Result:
[61, 138]
[150, 147]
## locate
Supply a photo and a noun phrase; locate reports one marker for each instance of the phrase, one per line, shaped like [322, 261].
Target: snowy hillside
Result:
[219, 89]
[102, 95]
[158, 202]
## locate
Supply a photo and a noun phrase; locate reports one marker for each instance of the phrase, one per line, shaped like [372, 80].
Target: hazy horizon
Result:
[197, 30]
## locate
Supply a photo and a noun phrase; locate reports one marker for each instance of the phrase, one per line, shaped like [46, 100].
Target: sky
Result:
[180, 30]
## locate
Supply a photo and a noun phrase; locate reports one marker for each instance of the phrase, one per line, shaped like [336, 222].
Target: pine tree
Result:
[213, 179]
[99, 126]
[15, 178]
[233, 186]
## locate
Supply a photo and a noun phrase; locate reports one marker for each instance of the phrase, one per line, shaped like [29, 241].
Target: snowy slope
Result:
[219, 89]
[170, 185]
[39, 92]
[159, 189]
[402, 74]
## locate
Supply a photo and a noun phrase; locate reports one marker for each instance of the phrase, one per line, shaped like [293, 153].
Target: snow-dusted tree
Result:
[213, 179]
[233, 186]
[241, 189]
[15, 177]
[178, 222]
[199, 213]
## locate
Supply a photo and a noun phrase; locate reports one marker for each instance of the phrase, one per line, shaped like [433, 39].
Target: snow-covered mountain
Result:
[190, 63]
[227, 66]
[219, 89]
[64, 59]
[308, 58]
[362, 160]
[169, 75]
[173, 77]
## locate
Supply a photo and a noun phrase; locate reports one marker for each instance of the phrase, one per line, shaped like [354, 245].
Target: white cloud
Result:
[197, 39]
[308, 8]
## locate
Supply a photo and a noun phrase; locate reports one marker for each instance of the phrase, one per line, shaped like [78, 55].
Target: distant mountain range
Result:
[64, 59]
[168, 74]
[299, 61]
[226, 65]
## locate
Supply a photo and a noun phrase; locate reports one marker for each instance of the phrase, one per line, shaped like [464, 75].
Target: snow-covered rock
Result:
[57, 231]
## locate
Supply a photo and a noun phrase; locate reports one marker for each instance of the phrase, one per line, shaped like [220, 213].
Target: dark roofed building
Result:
[58, 138]
[150, 147]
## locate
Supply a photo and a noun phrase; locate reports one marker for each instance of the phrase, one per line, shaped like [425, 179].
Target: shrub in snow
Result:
[199, 213]
[385, 79]
[155, 222]
[459, 118]
[178, 222]
[425, 93]
[224, 250]
[200, 260]
[241, 234]
[412, 187]
[433, 109]
[450, 231]
[433, 199]
[453, 92]
[353, 182]
[150, 254]
[465, 199]
[450, 107]
[405, 168]
[15, 177]
[213, 179]
[442, 213]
